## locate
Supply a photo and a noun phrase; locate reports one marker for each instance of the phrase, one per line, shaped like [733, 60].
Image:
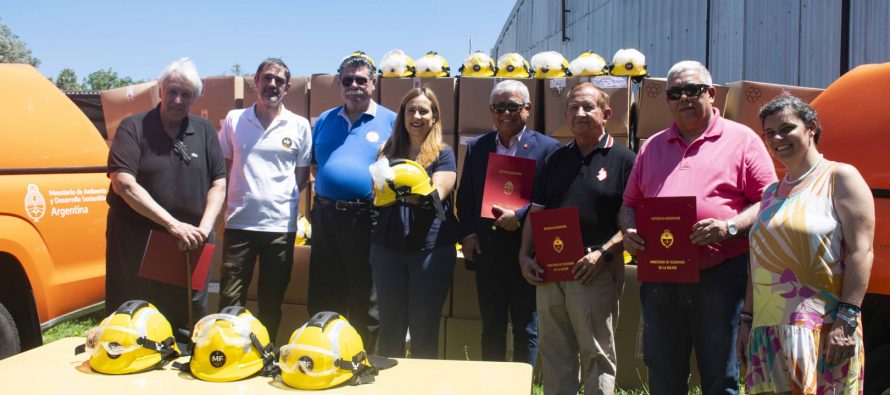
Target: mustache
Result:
[355, 92]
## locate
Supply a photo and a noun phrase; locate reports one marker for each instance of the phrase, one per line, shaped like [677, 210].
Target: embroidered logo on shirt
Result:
[372, 136]
[287, 142]
[601, 175]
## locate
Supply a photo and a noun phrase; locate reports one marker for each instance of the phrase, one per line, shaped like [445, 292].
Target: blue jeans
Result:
[677, 317]
[411, 290]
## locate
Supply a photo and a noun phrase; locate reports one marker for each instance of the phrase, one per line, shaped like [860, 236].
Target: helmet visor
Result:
[232, 330]
[112, 339]
[298, 357]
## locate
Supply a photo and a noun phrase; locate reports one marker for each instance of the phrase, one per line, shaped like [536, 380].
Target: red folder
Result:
[665, 224]
[558, 244]
[164, 262]
[508, 183]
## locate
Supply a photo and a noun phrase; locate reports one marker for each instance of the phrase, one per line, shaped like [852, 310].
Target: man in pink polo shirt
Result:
[725, 165]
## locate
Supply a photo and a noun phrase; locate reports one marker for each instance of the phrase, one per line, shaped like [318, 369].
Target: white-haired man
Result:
[168, 174]
[491, 247]
[725, 165]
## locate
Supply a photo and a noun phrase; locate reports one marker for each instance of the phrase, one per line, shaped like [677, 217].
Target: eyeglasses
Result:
[691, 90]
[182, 150]
[359, 80]
[513, 107]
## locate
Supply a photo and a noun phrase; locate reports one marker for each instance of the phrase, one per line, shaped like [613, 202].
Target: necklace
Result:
[805, 174]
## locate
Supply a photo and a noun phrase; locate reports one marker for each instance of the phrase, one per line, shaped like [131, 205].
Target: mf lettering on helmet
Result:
[217, 359]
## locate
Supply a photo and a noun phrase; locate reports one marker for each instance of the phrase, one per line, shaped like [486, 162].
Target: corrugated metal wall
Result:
[794, 42]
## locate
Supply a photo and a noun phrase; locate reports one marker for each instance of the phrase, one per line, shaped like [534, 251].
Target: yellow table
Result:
[54, 369]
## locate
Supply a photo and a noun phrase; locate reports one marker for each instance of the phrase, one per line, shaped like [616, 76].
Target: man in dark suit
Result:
[491, 247]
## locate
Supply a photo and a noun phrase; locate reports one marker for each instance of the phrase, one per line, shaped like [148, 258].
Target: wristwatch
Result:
[607, 256]
[732, 228]
[848, 319]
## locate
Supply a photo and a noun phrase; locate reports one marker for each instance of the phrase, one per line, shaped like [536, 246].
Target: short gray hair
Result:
[181, 68]
[510, 86]
[693, 65]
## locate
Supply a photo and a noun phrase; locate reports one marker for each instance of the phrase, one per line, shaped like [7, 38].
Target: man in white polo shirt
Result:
[267, 150]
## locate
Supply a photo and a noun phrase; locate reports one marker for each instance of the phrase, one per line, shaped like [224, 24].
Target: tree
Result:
[13, 49]
[67, 80]
[105, 79]
[236, 70]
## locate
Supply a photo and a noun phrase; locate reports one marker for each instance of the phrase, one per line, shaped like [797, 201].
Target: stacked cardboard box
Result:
[653, 113]
[120, 103]
[296, 100]
[745, 99]
[393, 89]
[220, 95]
[555, 97]
[474, 116]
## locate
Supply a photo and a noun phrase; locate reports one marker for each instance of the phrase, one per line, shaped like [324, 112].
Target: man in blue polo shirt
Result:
[345, 142]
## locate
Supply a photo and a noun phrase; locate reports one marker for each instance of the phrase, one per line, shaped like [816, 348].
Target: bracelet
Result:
[852, 308]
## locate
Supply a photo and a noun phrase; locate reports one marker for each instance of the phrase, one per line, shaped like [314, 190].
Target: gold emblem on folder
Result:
[558, 245]
[508, 188]
[667, 238]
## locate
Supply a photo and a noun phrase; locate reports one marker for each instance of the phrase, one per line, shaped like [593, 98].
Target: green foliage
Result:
[236, 70]
[67, 80]
[106, 79]
[75, 327]
[13, 49]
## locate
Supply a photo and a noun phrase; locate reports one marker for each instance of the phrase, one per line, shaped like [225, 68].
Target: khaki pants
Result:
[576, 323]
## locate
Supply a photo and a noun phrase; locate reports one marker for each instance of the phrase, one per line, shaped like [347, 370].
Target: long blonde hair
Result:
[399, 143]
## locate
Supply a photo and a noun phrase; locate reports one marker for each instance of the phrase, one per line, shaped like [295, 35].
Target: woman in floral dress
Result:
[811, 256]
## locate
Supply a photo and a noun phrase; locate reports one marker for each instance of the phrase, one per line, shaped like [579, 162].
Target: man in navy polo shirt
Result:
[578, 318]
[345, 142]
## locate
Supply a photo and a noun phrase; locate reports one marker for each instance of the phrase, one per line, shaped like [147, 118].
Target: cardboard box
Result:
[463, 339]
[119, 103]
[653, 114]
[296, 100]
[293, 316]
[220, 95]
[745, 99]
[392, 90]
[298, 288]
[474, 116]
[324, 94]
[555, 94]
[461, 151]
[464, 299]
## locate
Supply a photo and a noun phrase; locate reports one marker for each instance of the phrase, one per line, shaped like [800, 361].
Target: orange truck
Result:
[52, 209]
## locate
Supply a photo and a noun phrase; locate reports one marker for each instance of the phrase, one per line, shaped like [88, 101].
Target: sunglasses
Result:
[513, 107]
[359, 80]
[691, 91]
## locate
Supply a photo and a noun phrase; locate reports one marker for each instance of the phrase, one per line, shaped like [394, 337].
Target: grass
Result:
[75, 327]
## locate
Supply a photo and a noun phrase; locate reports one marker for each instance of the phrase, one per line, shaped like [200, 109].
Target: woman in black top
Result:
[412, 250]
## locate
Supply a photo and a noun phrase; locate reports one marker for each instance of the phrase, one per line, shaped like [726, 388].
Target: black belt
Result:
[345, 205]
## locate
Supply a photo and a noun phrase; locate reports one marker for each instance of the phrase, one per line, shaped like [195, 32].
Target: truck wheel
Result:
[10, 344]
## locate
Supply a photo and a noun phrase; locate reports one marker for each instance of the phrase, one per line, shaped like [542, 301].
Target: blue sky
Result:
[138, 38]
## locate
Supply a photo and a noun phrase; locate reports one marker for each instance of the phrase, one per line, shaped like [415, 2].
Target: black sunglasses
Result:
[347, 81]
[182, 150]
[691, 90]
[512, 107]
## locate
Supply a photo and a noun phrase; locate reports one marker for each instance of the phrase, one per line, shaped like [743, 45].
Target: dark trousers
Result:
[502, 290]
[339, 272]
[677, 317]
[411, 290]
[276, 255]
[126, 239]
